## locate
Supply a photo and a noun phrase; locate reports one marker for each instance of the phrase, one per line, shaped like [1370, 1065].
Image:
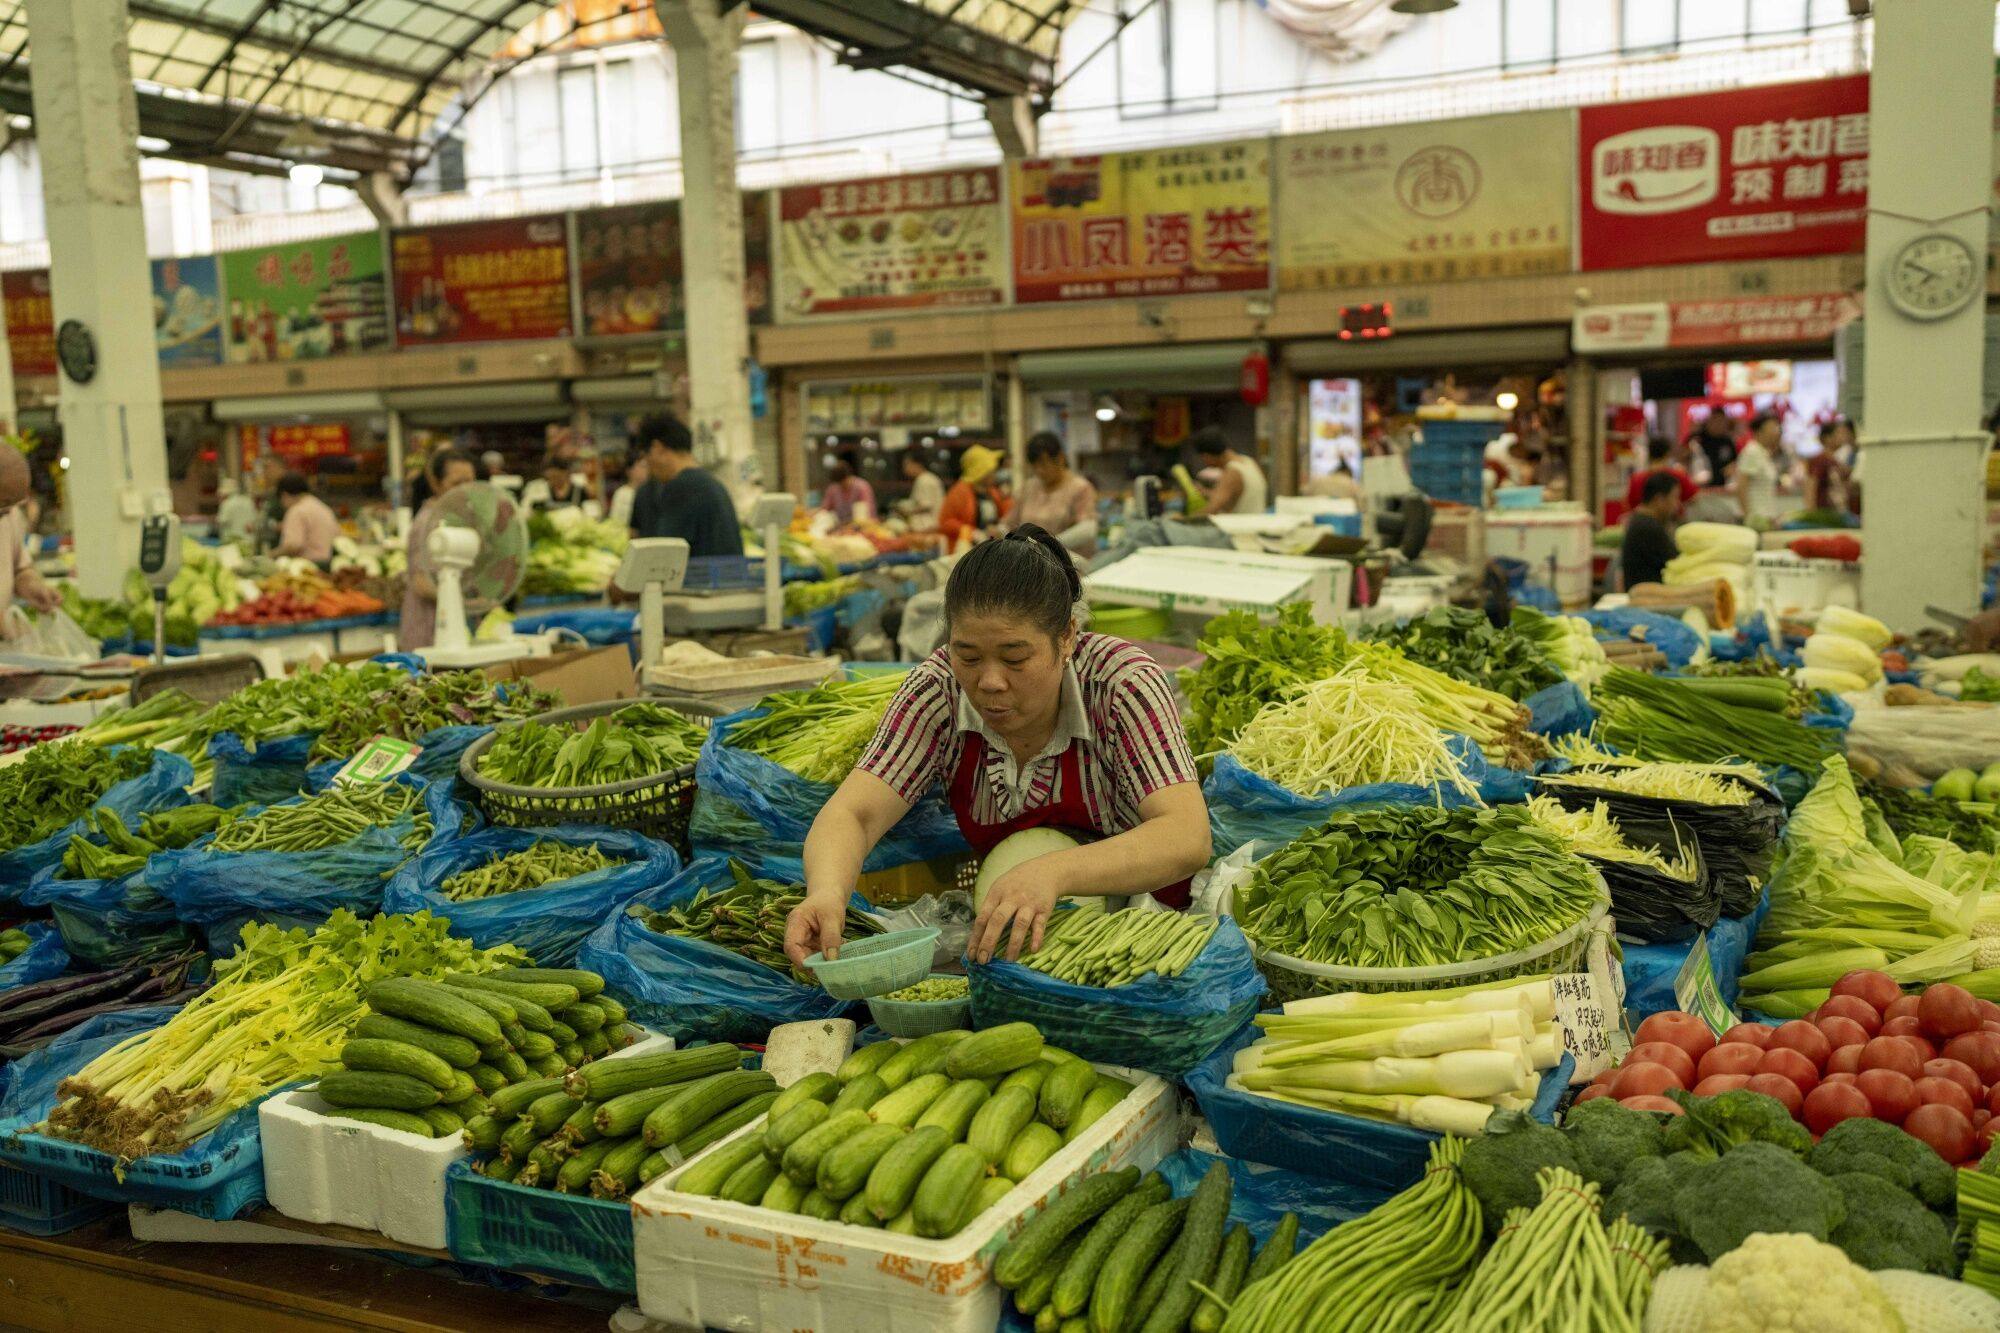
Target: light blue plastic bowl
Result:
[876, 965]
[920, 1018]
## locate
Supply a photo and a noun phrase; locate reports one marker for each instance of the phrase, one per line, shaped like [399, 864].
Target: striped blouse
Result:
[1118, 708]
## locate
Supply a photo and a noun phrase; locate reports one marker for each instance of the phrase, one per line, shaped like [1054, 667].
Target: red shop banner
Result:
[320, 439]
[31, 321]
[482, 281]
[1757, 173]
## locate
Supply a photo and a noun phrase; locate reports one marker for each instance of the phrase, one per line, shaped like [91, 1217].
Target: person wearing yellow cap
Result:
[959, 518]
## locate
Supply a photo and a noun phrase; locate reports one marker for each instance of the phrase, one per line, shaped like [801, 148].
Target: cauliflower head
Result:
[1791, 1283]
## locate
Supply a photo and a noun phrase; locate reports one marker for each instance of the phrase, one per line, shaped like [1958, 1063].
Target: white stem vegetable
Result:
[1467, 1074]
[1450, 1034]
[1539, 991]
[1440, 1115]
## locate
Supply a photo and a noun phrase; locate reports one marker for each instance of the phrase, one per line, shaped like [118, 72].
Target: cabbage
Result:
[1837, 652]
[1826, 678]
[1854, 625]
[1729, 543]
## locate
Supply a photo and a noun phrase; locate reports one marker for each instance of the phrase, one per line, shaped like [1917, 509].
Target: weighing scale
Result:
[159, 562]
[652, 568]
[1204, 581]
[686, 611]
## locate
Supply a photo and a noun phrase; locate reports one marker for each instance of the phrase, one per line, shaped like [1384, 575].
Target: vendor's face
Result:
[1010, 669]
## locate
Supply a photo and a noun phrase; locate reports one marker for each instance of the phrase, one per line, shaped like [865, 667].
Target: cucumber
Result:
[466, 1108]
[614, 1012]
[445, 1123]
[865, 1060]
[632, 1073]
[1071, 1293]
[997, 1050]
[818, 1205]
[932, 1060]
[508, 1008]
[533, 1045]
[783, 1194]
[562, 1033]
[999, 1121]
[781, 1129]
[1034, 1243]
[625, 1114]
[397, 1057]
[722, 1126]
[1063, 1092]
[817, 1086]
[1028, 1076]
[1158, 1278]
[1101, 1099]
[747, 1183]
[583, 1016]
[482, 1134]
[1035, 1144]
[455, 1051]
[594, 1045]
[955, 1109]
[500, 1168]
[1048, 1321]
[855, 1212]
[574, 1178]
[1229, 1270]
[1277, 1251]
[487, 1079]
[515, 1036]
[547, 1113]
[1032, 1296]
[1200, 1246]
[893, 1182]
[946, 1193]
[434, 1006]
[712, 1172]
[861, 1094]
[844, 1168]
[548, 995]
[567, 1056]
[901, 1066]
[702, 1102]
[351, 1088]
[801, 1159]
[585, 984]
[903, 1224]
[517, 1139]
[461, 1087]
[503, 1010]
[515, 1069]
[618, 1174]
[903, 1105]
[581, 1126]
[1117, 1286]
[378, 1115]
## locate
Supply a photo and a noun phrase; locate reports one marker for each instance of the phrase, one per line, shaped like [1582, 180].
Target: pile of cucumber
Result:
[428, 1055]
[1117, 1252]
[917, 1139]
[610, 1127]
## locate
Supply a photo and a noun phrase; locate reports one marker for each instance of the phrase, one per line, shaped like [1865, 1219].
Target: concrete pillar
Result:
[705, 35]
[1287, 456]
[1930, 157]
[9, 411]
[398, 493]
[382, 195]
[1015, 127]
[1586, 441]
[87, 127]
[1017, 428]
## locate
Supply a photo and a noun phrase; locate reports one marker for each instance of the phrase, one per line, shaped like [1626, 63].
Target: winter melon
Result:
[1016, 848]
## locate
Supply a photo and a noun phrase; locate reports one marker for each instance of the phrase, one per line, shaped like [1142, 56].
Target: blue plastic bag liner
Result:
[1163, 1025]
[161, 787]
[1263, 1194]
[1831, 712]
[689, 989]
[44, 958]
[263, 774]
[821, 625]
[442, 749]
[759, 812]
[1670, 636]
[599, 626]
[1650, 969]
[107, 922]
[1369, 1156]
[219, 1176]
[1243, 807]
[1560, 710]
[221, 890]
[550, 923]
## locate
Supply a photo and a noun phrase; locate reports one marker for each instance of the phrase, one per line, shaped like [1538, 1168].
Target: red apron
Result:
[1069, 810]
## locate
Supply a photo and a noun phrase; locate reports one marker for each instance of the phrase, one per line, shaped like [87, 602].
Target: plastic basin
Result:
[877, 964]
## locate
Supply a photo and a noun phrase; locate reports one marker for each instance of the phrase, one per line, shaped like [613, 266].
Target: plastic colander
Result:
[876, 965]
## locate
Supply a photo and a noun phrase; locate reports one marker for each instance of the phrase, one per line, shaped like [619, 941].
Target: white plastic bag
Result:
[49, 635]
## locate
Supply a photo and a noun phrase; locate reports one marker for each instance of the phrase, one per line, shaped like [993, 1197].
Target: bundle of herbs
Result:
[410, 707]
[54, 784]
[1463, 644]
[304, 703]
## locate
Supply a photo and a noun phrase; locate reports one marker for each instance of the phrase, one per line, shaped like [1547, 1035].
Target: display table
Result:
[306, 639]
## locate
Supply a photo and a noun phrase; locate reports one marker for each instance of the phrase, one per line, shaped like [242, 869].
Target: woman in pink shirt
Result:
[309, 527]
[1056, 498]
[847, 497]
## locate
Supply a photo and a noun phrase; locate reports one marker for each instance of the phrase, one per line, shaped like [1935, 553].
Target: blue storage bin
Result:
[41, 1207]
[1455, 472]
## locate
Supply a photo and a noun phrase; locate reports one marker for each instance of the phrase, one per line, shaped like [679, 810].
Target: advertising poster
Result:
[1167, 222]
[31, 321]
[309, 299]
[187, 311]
[1758, 173]
[628, 267]
[482, 281]
[1485, 197]
[892, 243]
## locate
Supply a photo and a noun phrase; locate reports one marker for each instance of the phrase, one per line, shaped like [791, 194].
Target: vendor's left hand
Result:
[1017, 908]
[39, 595]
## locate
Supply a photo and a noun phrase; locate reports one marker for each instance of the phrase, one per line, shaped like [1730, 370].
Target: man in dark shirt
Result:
[682, 500]
[1649, 543]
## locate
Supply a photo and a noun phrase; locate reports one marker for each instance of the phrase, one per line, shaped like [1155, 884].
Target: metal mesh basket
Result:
[206, 680]
[657, 806]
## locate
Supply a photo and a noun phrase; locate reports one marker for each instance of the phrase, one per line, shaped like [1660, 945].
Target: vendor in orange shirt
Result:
[959, 518]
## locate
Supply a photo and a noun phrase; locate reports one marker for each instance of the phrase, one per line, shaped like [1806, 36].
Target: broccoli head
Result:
[1888, 1228]
[1646, 1196]
[1876, 1148]
[1711, 1126]
[1608, 1139]
[1499, 1166]
[1751, 1188]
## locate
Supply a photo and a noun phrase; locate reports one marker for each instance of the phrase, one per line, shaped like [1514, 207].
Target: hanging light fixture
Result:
[1423, 6]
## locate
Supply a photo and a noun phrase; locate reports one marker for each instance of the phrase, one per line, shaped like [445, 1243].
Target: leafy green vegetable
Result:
[1975, 686]
[52, 784]
[1250, 664]
[640, 740]
[1652, 717]
[819, 733]
[1909, 810]
[413, 705]
[306, 702]
[1711, 1126]
[1463, 643]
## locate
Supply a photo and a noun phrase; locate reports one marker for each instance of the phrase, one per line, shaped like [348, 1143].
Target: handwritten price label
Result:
[1589, 1024]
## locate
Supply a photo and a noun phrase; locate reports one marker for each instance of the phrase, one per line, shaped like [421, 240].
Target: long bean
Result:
[530, 868]
[337, 815]
[1107, 949]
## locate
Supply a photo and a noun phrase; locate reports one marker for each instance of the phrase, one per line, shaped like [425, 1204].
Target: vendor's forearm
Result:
[835, 847]
[1145, 859]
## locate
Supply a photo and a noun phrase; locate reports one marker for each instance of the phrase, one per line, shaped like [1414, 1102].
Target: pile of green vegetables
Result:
[414, 705]
[306, 702]
[747, 918]
[1910, 811]
[1117, 948]
[640, 740]
[337, 815]
[1975, 686]
[55, 783]
[1348, 730]
[1706, 719]
[530, 868]
[803, 597]
[109, 850]
[13, 943]
[1799, 701]
[1463, 644]
[819, 733]
[1416, 886]
[1979, 1222]
[572, 556]
[1568, 642]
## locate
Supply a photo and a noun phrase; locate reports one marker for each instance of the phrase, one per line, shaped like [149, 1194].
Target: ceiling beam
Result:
[159, 13]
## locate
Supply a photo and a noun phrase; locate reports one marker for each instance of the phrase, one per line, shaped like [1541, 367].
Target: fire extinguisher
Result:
[1254, 383]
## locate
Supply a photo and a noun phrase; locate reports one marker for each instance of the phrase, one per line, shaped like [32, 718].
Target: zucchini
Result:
[352, 1088]
[865, 1060]
[861, 1094]
[1228, 1280]
[702, 1102]
[1200, 1247]
[1101, 1099]
[625, 1114]
[955, 1109]
[994, 1051]
[482, 1134]
[546, 995]
[1063, 1092]
[902, 1106]
[614, 1012]
[712, 1172]
[999, 1121]
[1035, 1144]
[783, 1127]
[818, 1205]
[612, 1078]
[397, 1057]
[817, 1086]
[735, 1118]
[518, 1139]
[654, 1164]
[893, 1182]
[801, 1159]
[445, 1123]
[487, 1079]
[991, 1191]
[585, 984]
[618, 1174]
[513, 1066]
[947, 1190]
[405, 1121]
[843, 1169]
[1071, 1294]
[855, 1212]
[547, 1113]
[1117, 1286]
[901, 1066]
[581, 1126]
[455, 1051]
[432, 1005]
[501, 1168]
[903, 1224]
[502, 1009]
[583, 1016]
[747, 1183]
[594, 1045]
[1034, 1243]
[1277, 1251]
[1028, 1076]
[783, 1194]
[574, 1178]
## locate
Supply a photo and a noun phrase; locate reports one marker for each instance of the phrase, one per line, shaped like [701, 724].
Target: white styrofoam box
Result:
[322, 1168]
[704, 1263]
[818, 1045]
[169, 1224]
[1783, 584]
[1555, 544]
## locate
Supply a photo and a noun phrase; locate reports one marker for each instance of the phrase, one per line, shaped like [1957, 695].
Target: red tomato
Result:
[1980, 1115]
[1780, 1087]
[1989, 1012]
[1856, 1008]
[1943, 1090]
[1831, 1102]
[1897, 1053]
[1604, 1076]
[1946, 1010]
[1945, 1128]
[1879, 989]
[1980, 1051]
[1790, 1064]
[1732, 1057]
[1651, 1104]
[1843, 1077]
[1592, 1093]
[1957, 1073]
[1664, 1053]
[1841, 1032]
[1993, 1099]
[1683, 1030]
[1643, 1080]
[1717, 1083]
[1903, 1006]
[1844, 1060]
[1892, 1093]
[1804, 1038]
[1754, 1034]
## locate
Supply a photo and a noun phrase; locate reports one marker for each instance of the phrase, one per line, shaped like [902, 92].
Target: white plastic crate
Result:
[703, 1263]
[1783, 584]
[321, 1168]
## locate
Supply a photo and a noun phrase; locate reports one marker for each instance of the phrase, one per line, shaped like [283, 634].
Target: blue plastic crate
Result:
[1480, 433]
[1449, 471]
[41, 1207]
[567, 1237]
[722, 573]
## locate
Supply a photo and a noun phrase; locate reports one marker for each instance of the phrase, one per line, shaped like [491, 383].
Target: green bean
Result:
[337, 815]
[747, 918]
[544, 862]
[1105, 949]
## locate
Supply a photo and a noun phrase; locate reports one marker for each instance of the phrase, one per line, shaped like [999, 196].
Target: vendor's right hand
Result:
[814, 927]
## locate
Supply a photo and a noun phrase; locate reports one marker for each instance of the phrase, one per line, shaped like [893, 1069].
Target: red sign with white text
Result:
[1757, 173]
[31, 321]
[482, 281]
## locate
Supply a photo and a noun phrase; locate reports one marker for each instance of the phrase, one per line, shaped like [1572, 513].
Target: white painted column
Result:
[1017, 429]
[398, 489]
[10, 411]
[705, 40]
[87, 127]
[1930, 170]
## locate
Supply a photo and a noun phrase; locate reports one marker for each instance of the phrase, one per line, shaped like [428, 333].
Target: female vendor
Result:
[1025, 721]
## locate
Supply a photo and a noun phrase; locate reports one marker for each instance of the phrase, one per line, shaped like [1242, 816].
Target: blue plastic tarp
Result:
[1650, 969]
[1560, 710]
[43, 959]
[1679, 643]
[106, 922]
[161, 787]
[599, 626]
[261, 773]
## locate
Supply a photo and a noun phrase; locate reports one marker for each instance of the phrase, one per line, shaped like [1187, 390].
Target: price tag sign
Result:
[1697, 991]
[1589, 1024]
[383, 757]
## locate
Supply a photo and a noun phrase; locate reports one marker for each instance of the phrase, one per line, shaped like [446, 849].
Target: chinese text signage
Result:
[31, 321]
[628, 267]
[482, 281]
[1760, 173]
[309, 299]
[311, 439]
[1726, 322]
[1161, 223]
[893, 243]
[1478, 198]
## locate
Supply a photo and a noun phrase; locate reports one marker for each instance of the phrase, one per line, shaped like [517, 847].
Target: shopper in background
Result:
[1649, 539]
[18, 580]
[557, 488]
[926, 499]
[1758, 467]
[309, 527]
[1659, 460]
[1240, 489]
[628, 491]
[958, 520]
[1056, 498]
[1338, 484]
[236, 516]
[679, 498]
[1827, 486]
[447, 471]
[493, 471]
[847, 496]
[1714, 447]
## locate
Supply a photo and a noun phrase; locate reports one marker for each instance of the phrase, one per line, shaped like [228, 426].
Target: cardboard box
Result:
[585, 676]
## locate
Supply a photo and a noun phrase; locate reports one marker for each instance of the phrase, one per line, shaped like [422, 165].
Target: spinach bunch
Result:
[54, 783]
[1250, 664]
[1463, 644]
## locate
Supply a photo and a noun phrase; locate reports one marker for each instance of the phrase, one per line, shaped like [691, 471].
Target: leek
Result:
[1438, 1114]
